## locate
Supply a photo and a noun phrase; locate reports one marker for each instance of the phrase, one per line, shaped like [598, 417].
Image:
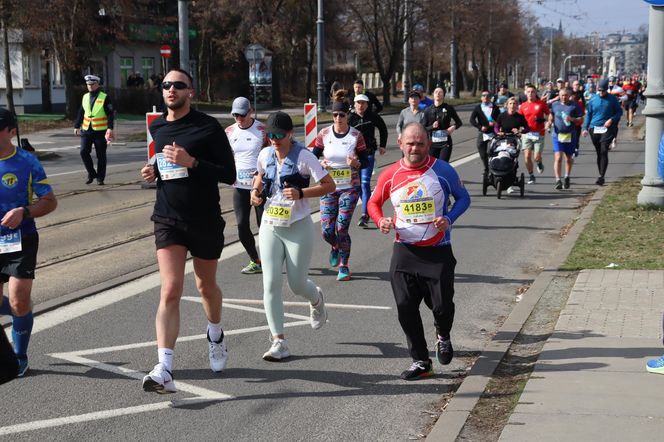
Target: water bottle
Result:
[563, 115]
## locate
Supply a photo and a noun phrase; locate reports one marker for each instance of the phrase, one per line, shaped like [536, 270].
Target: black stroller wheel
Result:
[485, 183]
[499, 188]
[522, 184]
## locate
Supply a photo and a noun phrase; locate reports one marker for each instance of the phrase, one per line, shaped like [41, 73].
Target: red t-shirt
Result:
[535, 113]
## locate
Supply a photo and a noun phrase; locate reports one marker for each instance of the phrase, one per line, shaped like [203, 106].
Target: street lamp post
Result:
[652, 191]
[569, 57]
[320, 66]
[254, 54]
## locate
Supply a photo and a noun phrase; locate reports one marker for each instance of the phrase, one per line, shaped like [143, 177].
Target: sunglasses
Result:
[339, 114]
[601, 90]
[239, 115]
[179, 85]
[485, 95]
[273, 136]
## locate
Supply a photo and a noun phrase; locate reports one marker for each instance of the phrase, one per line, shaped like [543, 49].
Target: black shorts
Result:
[20, 264]
[203, 240]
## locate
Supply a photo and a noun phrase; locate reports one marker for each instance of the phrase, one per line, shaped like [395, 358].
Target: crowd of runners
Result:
[275, 175]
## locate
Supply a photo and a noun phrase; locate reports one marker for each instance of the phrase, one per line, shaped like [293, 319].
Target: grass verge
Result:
[620, 232]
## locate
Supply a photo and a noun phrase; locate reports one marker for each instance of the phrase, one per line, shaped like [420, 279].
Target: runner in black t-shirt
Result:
[192, 156]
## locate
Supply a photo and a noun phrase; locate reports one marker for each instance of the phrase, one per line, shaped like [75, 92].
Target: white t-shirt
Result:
[336, 150]
[308, 166]
[246, 144]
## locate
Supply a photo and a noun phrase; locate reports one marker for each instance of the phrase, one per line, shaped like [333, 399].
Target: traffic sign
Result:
[310, 125]
[165, 51]
[149, 118]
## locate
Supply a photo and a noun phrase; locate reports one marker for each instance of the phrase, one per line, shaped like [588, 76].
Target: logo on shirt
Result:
[414, 190]
[9, 180]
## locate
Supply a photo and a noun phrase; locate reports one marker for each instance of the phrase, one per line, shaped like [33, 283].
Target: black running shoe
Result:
[559, 185]
[418, 370]
[600, 181]
[566, 183]
[444, 350]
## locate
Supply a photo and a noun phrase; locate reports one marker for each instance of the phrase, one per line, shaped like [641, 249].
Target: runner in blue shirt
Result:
[565, 115]
[21, 177]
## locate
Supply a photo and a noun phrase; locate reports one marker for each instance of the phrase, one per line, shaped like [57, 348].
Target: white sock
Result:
[166, 357]
[215, 332]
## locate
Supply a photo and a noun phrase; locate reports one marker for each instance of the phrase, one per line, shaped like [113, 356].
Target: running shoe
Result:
[334, 257]
[218, 354]
[22, 366]
[613, 144]
[559, 185]
[364, 219]
[655, 366]
[540, 167]
[444, 350]
[159, 380]
[278, 351]
[344, 273]
[512, 189]
[531, 179]
[252, 267]
[418, 370]
[566, 183]
[600, 181]
[317, 312]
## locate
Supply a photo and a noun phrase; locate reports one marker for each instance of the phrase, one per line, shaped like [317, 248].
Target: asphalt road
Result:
[342, 382]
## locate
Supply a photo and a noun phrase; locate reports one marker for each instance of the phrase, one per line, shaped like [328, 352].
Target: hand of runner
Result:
[584, 133]
[381, 150]
[440, 223]
[451, 129]
[109, 135]
[147, 172]
[386, 224]
[13, 218]
[608, 123]
[178, 155]
[352, 161]
[256, 199]
[292, 193]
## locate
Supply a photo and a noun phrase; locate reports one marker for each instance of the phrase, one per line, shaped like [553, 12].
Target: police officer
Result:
[94, 124]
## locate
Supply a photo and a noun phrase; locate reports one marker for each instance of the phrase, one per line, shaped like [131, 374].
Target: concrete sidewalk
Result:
[590, 381]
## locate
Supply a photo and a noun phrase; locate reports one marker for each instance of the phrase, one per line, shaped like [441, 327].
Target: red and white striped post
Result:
[310, 124]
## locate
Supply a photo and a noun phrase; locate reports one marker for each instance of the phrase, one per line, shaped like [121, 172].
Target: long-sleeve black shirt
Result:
[196, 197]
[444, 114]
[108, 108]
[478, 118]
[506, 122]
[367, 124]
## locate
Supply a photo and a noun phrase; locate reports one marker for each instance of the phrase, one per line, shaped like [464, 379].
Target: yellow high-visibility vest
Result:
[95, 116]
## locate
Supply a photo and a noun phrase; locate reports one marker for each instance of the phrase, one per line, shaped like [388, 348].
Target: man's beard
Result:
[177, 104]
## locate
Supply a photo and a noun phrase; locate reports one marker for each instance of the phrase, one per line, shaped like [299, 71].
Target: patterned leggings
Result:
[336, 211]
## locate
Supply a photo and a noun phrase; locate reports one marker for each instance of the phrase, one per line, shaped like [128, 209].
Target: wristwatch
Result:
[26, 212]
[194, 164]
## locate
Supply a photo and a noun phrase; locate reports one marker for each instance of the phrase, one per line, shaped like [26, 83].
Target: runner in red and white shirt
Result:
[247, 138]
[536, 112]
[422, 267]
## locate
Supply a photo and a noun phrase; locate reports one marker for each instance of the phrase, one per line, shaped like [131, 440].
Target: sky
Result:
[582, 17]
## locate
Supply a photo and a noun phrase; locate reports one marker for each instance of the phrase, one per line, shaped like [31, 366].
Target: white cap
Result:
[240, 106]
[91, 79]
[361, 97]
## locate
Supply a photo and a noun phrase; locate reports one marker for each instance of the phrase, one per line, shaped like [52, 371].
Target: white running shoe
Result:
[218, 355]
[159, 380]
[278, 351]
[318, 313]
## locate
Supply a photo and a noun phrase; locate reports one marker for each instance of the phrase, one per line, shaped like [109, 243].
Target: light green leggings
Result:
[294, 245]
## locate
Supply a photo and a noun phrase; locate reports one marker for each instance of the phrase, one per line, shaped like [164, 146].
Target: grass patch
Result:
[620, 232]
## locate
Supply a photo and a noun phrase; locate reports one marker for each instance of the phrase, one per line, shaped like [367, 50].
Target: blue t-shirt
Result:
[560, 111]
[21, 177]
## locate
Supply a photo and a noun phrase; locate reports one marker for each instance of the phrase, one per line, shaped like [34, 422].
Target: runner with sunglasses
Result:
[343, 152]
[192, 156]
[247, 138]
[287, 231]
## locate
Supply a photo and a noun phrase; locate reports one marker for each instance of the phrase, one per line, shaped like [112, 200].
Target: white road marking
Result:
[302, 304]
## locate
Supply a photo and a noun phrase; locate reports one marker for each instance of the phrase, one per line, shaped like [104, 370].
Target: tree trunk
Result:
[387, 81]
[71, 103]
[8, 67]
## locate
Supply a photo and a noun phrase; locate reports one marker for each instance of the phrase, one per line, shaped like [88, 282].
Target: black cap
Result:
[7, 119]
[279, 123]
[414, 93]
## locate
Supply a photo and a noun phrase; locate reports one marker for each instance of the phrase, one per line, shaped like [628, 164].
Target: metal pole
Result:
[405, 77]
[652, 191]
[453, 56]
[537, 60]
[551, 56]
[320, 51]
[255, 81]
[183, 28]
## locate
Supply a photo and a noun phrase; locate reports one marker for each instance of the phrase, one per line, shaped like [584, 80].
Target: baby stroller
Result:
[503, 165]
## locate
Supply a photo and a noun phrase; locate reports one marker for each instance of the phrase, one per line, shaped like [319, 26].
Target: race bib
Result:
[278, 212]
[533, 135]
[439, 136]
[168, 170]
[341, 176]
[10, 241]
[487, 137]
[565, 138]
[245, 178]
[418, 210]
[600, 129]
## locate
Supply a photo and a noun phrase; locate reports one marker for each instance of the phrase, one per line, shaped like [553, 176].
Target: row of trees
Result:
[494, 38]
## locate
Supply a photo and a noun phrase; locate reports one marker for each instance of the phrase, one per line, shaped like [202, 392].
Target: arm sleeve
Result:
[380, 194]
[79, 118]
[110, 111]
[382, 130]
[589, 116]
[457, 121]
[460, 194]
[400, 123]
[222, 163]
[361, 150]
[428, 119]
[617, 112]
[473, 119]
[378, 107]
